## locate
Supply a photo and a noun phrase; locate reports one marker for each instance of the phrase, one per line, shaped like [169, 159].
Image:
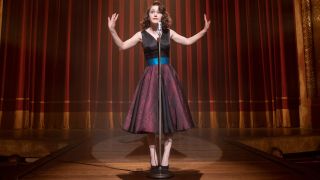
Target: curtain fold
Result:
[60, 69]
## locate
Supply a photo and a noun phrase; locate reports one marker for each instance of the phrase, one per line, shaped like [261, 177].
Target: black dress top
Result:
[150, 44]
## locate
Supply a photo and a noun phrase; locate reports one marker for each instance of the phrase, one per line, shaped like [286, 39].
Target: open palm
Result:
[112, 21]
[207, 23]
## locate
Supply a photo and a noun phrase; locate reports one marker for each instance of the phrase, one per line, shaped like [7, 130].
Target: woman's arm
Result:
[122, 45]
[188, 41]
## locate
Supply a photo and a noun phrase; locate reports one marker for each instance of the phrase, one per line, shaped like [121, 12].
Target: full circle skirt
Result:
[143, 112]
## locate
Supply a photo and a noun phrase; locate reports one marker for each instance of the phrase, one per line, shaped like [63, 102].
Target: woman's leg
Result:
[152, 148]
[167, 148]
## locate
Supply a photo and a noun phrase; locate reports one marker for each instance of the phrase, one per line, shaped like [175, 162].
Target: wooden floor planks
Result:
[196, 154]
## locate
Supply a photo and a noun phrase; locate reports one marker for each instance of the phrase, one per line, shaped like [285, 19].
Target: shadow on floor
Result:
[189, 174]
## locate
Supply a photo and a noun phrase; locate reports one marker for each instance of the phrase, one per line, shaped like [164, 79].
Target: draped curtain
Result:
[60, 69]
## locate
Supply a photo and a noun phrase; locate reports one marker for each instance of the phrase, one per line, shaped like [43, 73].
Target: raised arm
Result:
[188, 41]
[126, 44]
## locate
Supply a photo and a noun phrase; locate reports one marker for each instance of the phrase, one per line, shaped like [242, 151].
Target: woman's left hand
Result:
[207, 23]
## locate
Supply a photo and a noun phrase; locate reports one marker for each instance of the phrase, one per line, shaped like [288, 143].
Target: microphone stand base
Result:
[160, 172]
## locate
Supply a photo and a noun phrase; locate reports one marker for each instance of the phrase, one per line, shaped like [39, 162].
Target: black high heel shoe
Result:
[164, 168]
[153, 168]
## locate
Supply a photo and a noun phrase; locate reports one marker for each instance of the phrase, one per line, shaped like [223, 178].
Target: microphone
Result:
[159, 30]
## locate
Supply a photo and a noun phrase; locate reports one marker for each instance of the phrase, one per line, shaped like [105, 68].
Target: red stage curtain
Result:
[60, 69]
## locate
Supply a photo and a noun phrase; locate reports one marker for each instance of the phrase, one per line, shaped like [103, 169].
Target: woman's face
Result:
[154, 15]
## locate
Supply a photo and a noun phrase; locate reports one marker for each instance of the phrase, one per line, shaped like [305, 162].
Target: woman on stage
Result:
[143, 111]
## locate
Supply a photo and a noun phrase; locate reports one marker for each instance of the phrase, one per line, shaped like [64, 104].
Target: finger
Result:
[117, 17]
[113, 15]
[108, 19]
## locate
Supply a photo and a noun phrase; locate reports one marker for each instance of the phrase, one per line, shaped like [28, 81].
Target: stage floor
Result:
[196, 154]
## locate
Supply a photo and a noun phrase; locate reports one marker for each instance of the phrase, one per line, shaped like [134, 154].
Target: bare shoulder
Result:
[138, 36]
[172, 33]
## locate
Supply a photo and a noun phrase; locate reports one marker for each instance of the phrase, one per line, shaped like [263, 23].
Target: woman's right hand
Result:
[112, 21]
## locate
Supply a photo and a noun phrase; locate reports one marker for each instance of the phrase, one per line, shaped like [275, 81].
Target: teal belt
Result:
[154, 61]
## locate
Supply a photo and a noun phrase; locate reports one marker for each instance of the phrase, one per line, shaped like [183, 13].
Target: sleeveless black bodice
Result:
[150, 45]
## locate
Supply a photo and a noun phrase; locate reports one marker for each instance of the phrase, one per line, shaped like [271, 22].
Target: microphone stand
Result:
[160, 172]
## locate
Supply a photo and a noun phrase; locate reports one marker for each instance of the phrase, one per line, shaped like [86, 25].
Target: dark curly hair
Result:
[165, 20]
